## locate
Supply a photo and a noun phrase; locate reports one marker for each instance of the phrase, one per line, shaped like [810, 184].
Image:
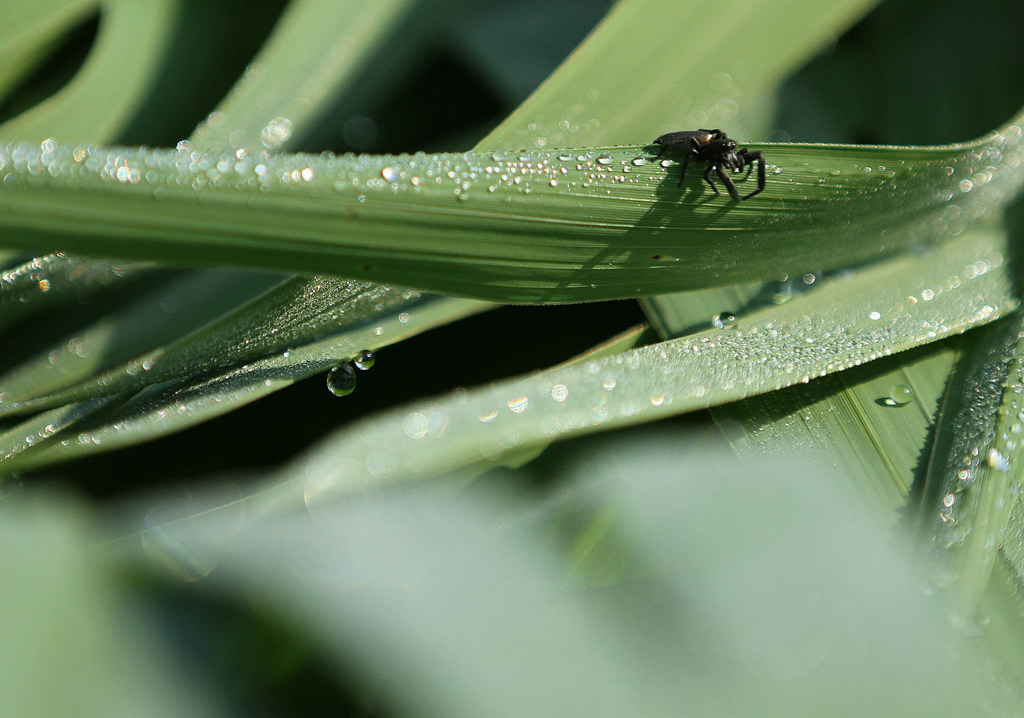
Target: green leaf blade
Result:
[540, 227]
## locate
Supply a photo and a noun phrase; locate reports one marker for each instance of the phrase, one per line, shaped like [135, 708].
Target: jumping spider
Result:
[720, 153]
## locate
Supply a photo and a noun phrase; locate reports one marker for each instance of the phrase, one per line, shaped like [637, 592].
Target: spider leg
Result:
[748, 162]
[727, 181]
[721, 175]
[682, 174]
[758, 157]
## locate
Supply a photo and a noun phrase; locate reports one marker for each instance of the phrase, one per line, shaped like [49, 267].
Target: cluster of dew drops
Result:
[517, 172]
[341, 380]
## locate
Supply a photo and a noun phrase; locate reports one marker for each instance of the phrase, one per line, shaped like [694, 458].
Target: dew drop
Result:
[783, 292]
[997, 460]
[519, 404]
[365, 360]
[277, 131]
[341, 380]
[725, 320]
[899, 395]
[389, 173]
[416, 425]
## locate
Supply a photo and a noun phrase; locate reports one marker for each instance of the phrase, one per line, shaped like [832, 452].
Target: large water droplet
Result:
[899, 395]
[725, 320]
[277, 131]
[783, 292]
[341, 380]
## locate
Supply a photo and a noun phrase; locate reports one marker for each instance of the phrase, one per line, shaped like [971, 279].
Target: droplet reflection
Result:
[341, 380]
[365, 360]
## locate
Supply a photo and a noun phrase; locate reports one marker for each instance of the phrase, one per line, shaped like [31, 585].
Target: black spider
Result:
[715, 148]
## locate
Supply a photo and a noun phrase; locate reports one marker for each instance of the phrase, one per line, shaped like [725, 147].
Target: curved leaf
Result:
[373, 318]
[973, 482]
[102, 95]
[30, 29]
[765, 351]
[537, 227]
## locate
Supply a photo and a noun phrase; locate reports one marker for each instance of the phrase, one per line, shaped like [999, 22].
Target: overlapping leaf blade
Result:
[537, 227]
[104, 93]
[265, 111]
[777, 347]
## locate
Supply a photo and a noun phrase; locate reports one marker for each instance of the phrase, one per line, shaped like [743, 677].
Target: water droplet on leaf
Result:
[365, 360]
[997, 460]
[725, 320]
[899, 395]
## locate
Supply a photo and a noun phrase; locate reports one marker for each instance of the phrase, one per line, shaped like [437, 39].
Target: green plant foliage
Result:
[535, 227]
[77, 634]
[854, 329]
[372, 318]
[298, 311]
[780, 346]
[971, 474]
[106, 90]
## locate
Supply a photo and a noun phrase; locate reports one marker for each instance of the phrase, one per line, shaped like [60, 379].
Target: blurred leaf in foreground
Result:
[757, 590]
